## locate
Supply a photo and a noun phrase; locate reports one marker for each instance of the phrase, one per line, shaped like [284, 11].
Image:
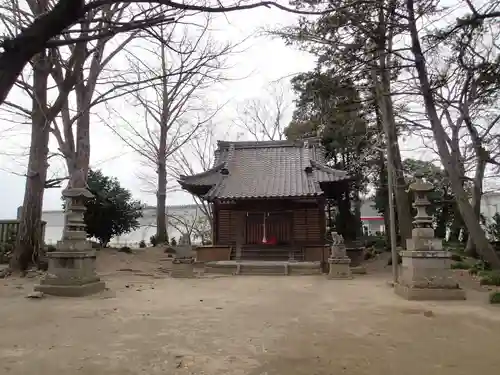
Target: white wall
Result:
[55, 220]
[490, 205]
[55, 223]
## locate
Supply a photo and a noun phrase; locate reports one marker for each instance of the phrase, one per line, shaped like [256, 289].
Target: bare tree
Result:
[69, 70]
[97, 84]
[357, 39]
[41, 113]
[175, 107]
[196, 156]
[447, 153]
[266, 117]
[196, 226]
[44, 30]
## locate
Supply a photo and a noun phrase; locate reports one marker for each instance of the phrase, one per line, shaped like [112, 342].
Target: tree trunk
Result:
[477, 192]
[29, 236]
[402, 202]
[20, 50]
[387, 114]
[82, 160]
[451, 166]
[442, 219]
[161, 200]
[161, 191]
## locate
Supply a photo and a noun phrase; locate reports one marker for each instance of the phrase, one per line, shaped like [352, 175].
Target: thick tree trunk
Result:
[477, 192]
[451, 166]
[442, 220]
[402, 202]
[161, 200]
[33, 39]
[387, 114]
[29, 237]
[357, 214]
[82, 142]
[384, 43]
[161, 191]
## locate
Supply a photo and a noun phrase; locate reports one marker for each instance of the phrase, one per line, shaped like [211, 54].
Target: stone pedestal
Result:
[71, 274]
[426, 275]
[72, 267]
[182, 268]
[425, 269]
[339, 263]
[339, 268]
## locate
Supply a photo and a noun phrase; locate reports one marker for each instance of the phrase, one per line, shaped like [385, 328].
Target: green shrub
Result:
[369, 254]
[153, 241]
[457, 257]
[490, 278]
[380, 243]
[95, 245]
[51, 248]
[479, 266]
[7, 247]
[142, 244]
[460, 266]
[495, 297]
[125, 249]
[5, 253]
[455, 247]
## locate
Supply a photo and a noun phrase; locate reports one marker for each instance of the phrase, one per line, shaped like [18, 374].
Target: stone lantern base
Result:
[426, 275]
[71, 273]
[339, 268]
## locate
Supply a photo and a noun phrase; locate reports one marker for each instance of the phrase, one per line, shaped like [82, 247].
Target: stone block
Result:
[339, 268]
[71, 274]
[71, 290]
[424, 244]
[427, 275]
[429, 294]
[74, 245]
[304, 268]
[358, 270]
[422, 233]
[182, 270]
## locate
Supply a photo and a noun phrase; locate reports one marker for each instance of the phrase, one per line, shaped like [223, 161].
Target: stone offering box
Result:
[182, 268]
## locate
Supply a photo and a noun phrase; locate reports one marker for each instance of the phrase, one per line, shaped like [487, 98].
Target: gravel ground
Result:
[150, 324]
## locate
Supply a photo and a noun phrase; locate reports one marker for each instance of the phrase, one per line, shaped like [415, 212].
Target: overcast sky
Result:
[263, 61]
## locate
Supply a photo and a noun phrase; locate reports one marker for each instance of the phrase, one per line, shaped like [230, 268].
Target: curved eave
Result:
[208, 178]
[327, 174]
[198, 190]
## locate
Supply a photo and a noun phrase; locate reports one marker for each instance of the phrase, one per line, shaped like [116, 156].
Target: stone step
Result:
[263, 270]
[268, 254]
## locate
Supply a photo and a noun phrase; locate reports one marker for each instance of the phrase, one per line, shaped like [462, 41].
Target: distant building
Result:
[490, 205]
[185, 213]
[372, 221]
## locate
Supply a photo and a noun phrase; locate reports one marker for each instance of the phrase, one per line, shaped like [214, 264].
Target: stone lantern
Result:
[425, 269]
[72, 267]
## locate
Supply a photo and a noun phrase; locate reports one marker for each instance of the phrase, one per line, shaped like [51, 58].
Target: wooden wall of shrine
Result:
[295, 223]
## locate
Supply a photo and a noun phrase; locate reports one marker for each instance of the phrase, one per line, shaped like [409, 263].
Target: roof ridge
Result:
[267, 144]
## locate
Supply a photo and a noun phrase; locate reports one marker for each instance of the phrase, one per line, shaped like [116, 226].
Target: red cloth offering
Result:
[272, 240]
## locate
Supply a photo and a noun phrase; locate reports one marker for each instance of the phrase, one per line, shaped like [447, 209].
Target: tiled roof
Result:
[264, 170]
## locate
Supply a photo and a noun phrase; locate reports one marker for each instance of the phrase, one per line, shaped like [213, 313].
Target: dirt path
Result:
[243, 325]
